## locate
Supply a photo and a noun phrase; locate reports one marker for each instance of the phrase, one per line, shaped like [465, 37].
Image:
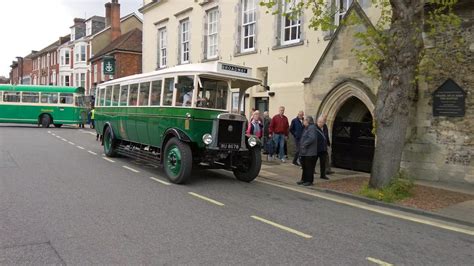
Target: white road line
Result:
[49, 132]
[376, 210]
[160, 181]
[82, 148]
[379, 262]
[296, 232]
[64, 140]
[91, 152]
[206, 199]
[72, 143]
[57, 136]
[53, 134]
[131, 169]
[109, 160]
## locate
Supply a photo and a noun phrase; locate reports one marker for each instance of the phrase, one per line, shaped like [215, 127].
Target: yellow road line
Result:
[206, 199]
[131, 169]
[296, 232]
[372, 209]
[379, 262]
[91, 152]
[160, 181]
[82, 148]
[109, 160]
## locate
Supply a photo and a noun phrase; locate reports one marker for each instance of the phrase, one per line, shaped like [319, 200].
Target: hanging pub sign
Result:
[109, 65]
[449, 100]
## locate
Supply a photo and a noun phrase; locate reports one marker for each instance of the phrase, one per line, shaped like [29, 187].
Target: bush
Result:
[399, 188]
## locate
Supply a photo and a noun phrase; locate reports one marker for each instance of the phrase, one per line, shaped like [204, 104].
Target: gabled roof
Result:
[128, 42]
[355, 7]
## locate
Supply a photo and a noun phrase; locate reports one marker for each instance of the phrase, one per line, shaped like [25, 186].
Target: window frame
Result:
[212, 35]
[293, 25]
[162, 47]
[250, 24]
[340, 11]
[184, 46]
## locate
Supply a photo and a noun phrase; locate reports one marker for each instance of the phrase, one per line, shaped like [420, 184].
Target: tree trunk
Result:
[395, 95]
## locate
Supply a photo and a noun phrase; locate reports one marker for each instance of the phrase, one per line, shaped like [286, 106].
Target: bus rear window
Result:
[30, 97]
[66, 98]
[48, 97]
[133, 95]
[156, 93]
[11, 97]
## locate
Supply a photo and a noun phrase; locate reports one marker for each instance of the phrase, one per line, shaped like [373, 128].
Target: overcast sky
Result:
[34, 24]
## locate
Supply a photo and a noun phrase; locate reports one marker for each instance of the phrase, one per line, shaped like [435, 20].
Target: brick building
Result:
[45, 66]
[21, 69]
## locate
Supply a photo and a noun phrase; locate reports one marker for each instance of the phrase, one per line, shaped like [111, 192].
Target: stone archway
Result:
[349, 108]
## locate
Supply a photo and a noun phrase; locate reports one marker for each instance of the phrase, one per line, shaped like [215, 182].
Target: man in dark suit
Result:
[308, 152]
[322, 148]
[296, 130]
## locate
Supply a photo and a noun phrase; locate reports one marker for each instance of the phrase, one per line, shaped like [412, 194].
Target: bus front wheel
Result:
[110, 146]
[45, 121]
[177, 161]
[250, 167]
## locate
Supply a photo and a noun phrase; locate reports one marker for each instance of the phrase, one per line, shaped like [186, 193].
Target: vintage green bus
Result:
[181, 118]
[42, 105]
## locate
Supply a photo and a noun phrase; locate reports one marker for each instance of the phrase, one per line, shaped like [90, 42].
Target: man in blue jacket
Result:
[296, 129]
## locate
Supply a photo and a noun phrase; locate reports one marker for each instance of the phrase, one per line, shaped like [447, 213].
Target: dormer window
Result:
[73, 33]
[88, 27]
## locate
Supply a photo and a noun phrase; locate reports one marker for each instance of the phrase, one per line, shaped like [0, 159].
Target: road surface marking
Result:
[379, 262]
[72, 143]
[206, 199]
[49, 132]
[109, 160]
[65, 140]
[91, 152]
[82, 148]
[296, 232]
[84, 131]
[53, 134]
[131, 169]
[372, 209]
[160, 181]
[57, 136]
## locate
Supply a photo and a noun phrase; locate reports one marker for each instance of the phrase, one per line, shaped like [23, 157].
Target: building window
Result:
[83, 80]
[66, 56]
[249, 20]
[73, 34]
[341, 8]
[291, 24]
[83, 53]
[212, 33]
[89, 28]
[184, 30]
[66, 80]
[162, 43]
[95, 73]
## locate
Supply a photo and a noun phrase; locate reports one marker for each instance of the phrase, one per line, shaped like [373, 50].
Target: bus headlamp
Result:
[252, 141]
[207, 139]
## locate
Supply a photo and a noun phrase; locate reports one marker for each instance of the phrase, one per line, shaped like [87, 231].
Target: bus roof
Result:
[40, 88]
[214, 68]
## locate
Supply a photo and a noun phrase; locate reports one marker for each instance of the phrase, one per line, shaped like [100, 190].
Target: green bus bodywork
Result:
[32, 113]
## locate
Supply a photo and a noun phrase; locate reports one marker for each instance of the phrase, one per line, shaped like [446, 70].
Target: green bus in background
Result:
[181, 117]
[42, 105]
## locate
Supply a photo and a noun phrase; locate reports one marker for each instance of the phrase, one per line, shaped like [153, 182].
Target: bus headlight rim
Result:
[207, 139]
[252, 141]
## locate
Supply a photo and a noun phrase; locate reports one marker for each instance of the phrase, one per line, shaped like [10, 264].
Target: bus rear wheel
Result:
[45, 121]
[250, 167]
[58, 125]
[177, 161]
[110, 145]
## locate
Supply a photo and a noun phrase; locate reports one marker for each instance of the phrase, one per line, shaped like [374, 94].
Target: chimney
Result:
[107, 14]
[115, 19]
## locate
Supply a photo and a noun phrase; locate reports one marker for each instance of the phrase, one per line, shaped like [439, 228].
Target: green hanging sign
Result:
[109, 66]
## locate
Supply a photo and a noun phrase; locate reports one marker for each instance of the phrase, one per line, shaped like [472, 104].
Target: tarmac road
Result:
[62, 202]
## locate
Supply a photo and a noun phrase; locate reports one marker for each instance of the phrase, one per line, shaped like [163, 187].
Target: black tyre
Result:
[45, 121]
[58, 125]
[178, 161]
[250, 167]
[110, 144]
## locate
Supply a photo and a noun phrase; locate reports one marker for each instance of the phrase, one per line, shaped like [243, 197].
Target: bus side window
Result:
[133, 97]
[1, 96]
[108, 96]
[144, 95]
[30, 97]
[123, 95]
[12, 97]
[115, 95]
[156, 93]
[168, 92]
[66, 98]
[184, 91]
[102, 97]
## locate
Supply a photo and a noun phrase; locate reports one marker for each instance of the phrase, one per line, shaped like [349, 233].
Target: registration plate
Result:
[229, 146]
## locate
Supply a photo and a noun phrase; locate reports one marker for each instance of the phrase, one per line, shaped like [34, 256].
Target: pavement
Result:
[288, 173]
[62, 202]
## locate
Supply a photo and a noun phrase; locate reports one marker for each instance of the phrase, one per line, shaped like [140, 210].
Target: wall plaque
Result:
[449, 100]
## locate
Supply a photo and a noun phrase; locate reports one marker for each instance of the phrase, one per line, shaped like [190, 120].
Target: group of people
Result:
[311, 141]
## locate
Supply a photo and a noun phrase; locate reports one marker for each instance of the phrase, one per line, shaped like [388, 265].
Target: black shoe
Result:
[296, 163]
[330, 172]
[325, 178]
[307, 184]
[301, 182]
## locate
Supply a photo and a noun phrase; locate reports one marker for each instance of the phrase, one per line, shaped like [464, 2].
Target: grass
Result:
[400, 188]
